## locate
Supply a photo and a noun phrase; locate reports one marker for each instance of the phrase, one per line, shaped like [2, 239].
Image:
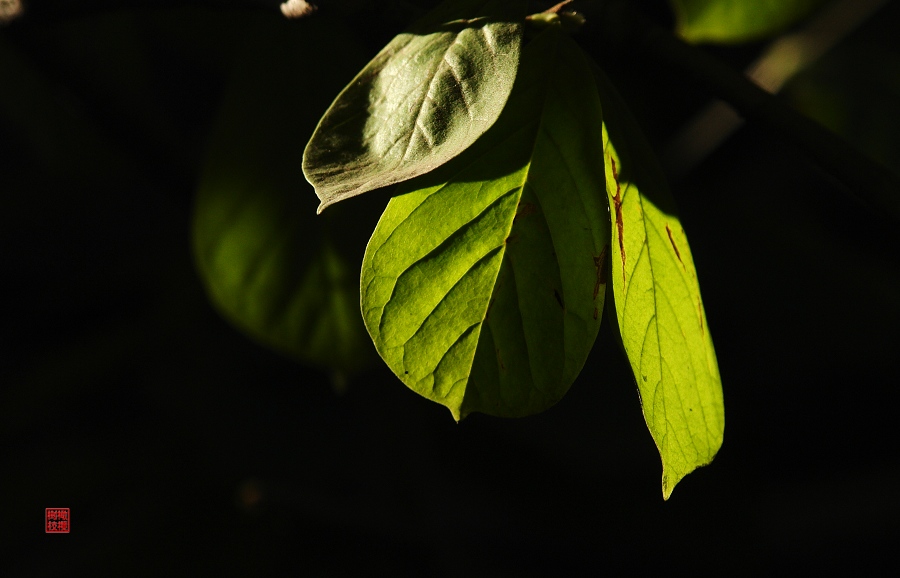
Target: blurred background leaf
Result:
[268, 262]
[733, 21]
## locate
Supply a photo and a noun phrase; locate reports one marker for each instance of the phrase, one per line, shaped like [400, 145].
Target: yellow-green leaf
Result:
[657, 301]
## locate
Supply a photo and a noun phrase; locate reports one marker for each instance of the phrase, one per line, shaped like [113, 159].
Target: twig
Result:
[783, 59]
[621, 27]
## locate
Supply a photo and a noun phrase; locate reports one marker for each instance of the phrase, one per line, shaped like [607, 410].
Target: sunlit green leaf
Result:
[428, 95]
[657, 301]
[268, 263]
[727, 21]
[482, 285]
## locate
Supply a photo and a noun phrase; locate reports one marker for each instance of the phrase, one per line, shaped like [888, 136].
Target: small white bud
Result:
[297, 8]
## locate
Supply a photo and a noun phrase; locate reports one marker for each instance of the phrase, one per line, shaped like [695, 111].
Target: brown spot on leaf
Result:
[620, 224]
[671, 240]
[596, 313]
[600, 265]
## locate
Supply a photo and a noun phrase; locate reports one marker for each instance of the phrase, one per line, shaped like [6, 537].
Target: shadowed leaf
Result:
[268, 264]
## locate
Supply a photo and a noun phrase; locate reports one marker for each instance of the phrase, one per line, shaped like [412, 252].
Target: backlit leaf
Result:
[482, 285]
[657, 301]
[728, 21]
[428, 95]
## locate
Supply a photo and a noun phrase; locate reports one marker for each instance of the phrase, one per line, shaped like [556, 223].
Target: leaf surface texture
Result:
[482, 285]
[426, 97]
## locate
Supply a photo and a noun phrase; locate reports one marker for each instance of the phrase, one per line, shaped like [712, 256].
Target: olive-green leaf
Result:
[482, 285]
[426, 97]
[732, 21]
[267, 263]
[657, 301]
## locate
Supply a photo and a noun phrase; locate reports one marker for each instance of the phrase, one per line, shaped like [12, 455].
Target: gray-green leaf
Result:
[657, 301]
[730, 21]
[265, 260]
[483, 284]
[426, 97]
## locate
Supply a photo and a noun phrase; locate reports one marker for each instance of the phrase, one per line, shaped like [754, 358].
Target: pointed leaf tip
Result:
[658, 306]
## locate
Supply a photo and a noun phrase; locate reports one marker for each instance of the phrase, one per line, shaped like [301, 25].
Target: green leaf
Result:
[425, 98]
[732, 21]
[657, 301]
[482, 285]
[268, 263]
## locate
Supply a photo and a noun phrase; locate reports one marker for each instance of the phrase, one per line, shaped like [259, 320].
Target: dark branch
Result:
[622, 28]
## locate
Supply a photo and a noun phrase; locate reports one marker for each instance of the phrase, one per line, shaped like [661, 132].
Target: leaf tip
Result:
[668, 484]
[671, 478]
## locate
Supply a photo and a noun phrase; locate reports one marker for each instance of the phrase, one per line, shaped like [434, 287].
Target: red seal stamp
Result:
[56, 521]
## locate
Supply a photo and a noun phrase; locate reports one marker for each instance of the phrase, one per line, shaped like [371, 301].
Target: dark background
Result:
[182, 447]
